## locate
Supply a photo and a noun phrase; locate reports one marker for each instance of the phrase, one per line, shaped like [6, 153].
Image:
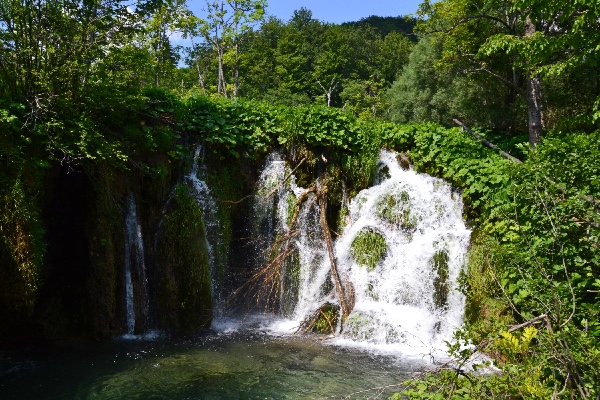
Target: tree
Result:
[47, 48]
[224, 27]
[517, 42]
[424, 92]
[259, 62]
[171, 16]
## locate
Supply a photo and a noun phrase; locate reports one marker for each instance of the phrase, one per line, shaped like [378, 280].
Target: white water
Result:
[134, 258]
[211, 223]
[395, 308]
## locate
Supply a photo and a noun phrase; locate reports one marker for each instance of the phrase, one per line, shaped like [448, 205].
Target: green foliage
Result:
[425, 92]
[233, 126]
[367, 248]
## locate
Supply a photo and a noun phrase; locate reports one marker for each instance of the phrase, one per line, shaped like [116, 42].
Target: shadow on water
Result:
[238, 365]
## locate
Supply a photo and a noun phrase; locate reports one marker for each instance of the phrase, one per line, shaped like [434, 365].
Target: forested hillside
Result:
[101, 99]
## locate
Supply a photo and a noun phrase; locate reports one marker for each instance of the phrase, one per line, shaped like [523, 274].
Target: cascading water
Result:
[211, 223]
[412, 224]
[402, 250]
[134, 264]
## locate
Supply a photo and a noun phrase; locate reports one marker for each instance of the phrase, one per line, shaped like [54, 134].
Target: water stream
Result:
[135, 269]
[209, 209]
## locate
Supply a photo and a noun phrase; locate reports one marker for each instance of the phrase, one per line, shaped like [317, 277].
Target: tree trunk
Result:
[534, 97]
[222, 86]
[534, 110]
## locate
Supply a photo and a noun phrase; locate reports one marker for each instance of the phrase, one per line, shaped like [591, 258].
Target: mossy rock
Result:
[382, 174]
[396, 209]
[360, 326]
[327, 319]
[441, 287]
[404, 161]
[368, 248]
[184, 293]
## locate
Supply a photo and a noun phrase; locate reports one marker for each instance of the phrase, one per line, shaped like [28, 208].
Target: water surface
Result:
[234, 365]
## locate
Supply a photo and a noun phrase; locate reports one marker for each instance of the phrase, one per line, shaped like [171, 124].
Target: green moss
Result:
[291, 207]
[327, 319]
[342, 219]
[440, 270]
[486, 310]
[396, 209]
[185, 290]
[290, 284]
[368, 248]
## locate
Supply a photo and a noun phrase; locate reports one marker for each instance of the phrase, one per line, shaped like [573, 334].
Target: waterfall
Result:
[134, 264]
[211, 222]
[402, 249]
[408, 294]
[271, 213]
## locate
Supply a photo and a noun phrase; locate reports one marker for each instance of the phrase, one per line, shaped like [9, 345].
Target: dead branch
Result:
[235, 201]
[322, 196]
[533, 321]
[487, 143]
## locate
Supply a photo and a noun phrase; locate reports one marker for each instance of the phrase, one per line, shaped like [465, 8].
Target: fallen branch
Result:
[235, 201]
[487, 143]
[322, 196]
[491, 145]
[533, 321]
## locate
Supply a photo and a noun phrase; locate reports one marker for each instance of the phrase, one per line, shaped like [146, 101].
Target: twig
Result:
[235, 201]
[533, 321]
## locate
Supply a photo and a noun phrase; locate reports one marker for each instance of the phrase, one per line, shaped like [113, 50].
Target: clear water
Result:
[231, 364]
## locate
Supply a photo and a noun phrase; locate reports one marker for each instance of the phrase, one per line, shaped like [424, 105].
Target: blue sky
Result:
[336, 11]
[339, 11]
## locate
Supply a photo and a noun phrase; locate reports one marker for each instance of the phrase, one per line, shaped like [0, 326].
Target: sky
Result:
[336, 11]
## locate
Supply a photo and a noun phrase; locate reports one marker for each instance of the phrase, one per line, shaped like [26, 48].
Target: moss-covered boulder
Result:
[395, 208]
[368, 248]
[440, 272]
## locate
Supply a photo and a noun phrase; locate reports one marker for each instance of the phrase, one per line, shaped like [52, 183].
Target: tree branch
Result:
[487, 143]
